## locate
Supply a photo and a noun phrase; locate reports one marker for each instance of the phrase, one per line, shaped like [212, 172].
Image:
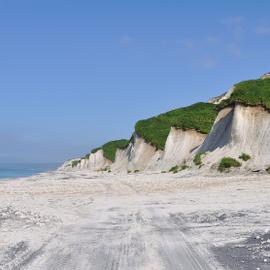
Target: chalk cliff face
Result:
[240, 129]
[265, 76]
[179, 145]
[139, 155]
[241, 126]
[142, 155]
[95, 161]
[219, 99]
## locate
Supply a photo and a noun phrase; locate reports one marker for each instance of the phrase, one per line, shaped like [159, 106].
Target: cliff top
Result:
[110, 148]
[252, 92]
[155, 130]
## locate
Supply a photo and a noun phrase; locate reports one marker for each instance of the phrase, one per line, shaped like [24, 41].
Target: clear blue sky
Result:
[75, 74]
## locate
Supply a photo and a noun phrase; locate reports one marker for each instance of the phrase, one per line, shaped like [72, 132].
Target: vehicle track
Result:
[135, 237]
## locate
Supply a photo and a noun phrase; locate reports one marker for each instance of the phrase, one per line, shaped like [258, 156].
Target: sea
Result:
[16, 170]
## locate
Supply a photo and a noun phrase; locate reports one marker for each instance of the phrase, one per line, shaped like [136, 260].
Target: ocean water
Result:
[15, 170]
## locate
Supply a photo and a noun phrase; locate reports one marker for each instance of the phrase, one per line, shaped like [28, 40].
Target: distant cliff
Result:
[230, 132]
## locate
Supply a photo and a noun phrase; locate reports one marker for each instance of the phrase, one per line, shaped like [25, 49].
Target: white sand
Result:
[82, 220]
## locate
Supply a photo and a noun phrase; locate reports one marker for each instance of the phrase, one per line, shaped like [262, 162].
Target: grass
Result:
[245, 157]
[75, 163]
[110, 148]
[174, 169]
[227, 162]
[95, 150]
[252, 92]
[155, 130]
[198, 159]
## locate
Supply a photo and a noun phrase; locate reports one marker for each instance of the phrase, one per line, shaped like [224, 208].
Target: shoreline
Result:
[9, 171]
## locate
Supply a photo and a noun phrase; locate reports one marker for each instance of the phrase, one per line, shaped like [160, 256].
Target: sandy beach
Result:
[83, 220]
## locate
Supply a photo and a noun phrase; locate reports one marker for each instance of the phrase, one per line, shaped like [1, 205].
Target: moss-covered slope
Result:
[252, 92]
[155, 130]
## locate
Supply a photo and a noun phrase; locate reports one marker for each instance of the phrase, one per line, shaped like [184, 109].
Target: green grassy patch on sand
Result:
[226, 163]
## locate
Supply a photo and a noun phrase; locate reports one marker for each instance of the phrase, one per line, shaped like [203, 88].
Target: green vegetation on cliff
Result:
[109, 149]
[155, 130]
[252, 92]
[245, 157]
[95, 150]
[198, 159]
[75, 163]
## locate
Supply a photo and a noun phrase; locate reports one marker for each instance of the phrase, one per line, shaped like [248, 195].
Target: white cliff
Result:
[237, 130]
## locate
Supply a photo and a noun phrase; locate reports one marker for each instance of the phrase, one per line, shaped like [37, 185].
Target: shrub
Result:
[198, 159]
[87, 156]
[155, 130]
[268, 170]
[163, 172]
[136, 171]
[75, 163]
[227, 162]
[174, 169]
[245, 157]
[128, 171]
[252, 92]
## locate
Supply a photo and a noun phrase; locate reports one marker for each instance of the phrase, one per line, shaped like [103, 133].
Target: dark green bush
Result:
[155, 130]
[245, 157]
[268, 170]
[227, 162]
[174, 169]
[198, 159]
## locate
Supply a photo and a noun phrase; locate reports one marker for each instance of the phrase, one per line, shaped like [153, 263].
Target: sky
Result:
[76, 74]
